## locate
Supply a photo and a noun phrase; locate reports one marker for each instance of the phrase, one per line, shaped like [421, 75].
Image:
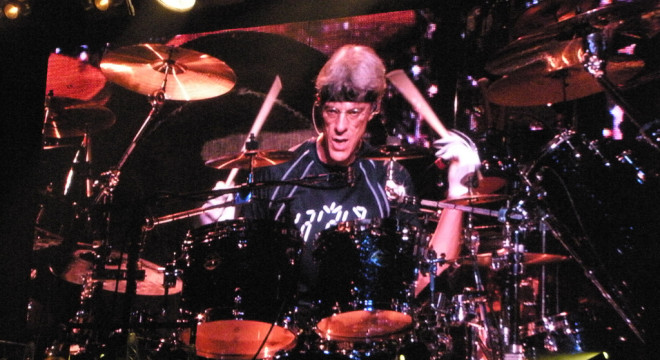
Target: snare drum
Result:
[239, 281]
[366, 272]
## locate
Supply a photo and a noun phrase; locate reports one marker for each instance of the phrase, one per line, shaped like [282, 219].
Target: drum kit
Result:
[230, 291]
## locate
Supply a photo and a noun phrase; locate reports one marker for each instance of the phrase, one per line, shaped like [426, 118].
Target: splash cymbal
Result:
[186, 74]
[250, 159]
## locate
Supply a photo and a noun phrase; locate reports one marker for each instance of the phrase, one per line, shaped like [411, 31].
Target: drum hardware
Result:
[392, 153]
[70, 118]
[197, 76]
[239, 282]
[549, 63]
[595, 272]
[596, 65]
[366, 271]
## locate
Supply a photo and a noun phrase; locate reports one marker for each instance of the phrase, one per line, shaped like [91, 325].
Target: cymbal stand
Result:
[595, 64]
[85, 151]
[514, 346]
[105, 197]
[472, 240]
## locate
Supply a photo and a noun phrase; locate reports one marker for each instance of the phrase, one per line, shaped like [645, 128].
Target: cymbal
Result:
[250, 159]
[490, 184]
[490, 259]
[547, 13]
[398, 152]
[152, 285]
[190, 75]
[72, 78]
[477, 198]
[70, 119]
[564, 17]
[529, 88]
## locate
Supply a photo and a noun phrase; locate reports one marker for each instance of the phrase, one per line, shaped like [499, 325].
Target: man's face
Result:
[344, 125]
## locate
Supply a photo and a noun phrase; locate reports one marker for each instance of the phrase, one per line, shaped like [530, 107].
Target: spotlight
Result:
[104, 5]
[177, 5]
[101, 5]
[13, 9]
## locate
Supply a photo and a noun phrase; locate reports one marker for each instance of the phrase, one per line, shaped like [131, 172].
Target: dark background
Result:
[169, 158]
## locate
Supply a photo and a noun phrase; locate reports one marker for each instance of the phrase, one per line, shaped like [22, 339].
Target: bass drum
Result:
[366, 272]
[239, 282]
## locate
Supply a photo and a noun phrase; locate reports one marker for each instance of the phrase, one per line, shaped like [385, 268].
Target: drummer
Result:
[349, 90]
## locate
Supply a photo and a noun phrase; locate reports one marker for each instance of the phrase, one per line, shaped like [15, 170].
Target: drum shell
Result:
[246, 267]
[366, 268]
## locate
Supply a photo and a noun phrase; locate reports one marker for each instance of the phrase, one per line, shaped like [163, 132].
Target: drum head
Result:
[362, 324]
[241, 339]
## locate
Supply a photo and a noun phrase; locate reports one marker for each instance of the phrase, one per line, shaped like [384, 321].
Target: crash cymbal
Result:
[398, 152]
[250, 159]
[477, 198]
[151, 285]
[72, 78]
[73, 119]
[500, 256]
[190, 75]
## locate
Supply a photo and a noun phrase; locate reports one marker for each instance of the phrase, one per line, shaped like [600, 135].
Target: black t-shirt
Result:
[313, 196]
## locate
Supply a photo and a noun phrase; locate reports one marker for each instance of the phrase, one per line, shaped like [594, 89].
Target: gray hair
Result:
[353, 73]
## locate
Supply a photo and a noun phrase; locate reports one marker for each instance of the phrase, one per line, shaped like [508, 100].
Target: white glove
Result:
[464, 161]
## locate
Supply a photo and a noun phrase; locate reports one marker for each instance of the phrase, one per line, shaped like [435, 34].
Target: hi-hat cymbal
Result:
[190, 75]
[151, 285]
[492, 259]
[250, 159]
[398, 152]
[73, 119]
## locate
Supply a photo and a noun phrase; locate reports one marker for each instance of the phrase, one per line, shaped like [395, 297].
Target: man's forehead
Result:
[346, 104]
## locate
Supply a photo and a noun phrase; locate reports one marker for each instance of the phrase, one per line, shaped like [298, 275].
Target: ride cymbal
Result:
[181, 73]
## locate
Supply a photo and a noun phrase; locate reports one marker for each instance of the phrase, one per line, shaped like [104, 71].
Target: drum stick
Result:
[406, 87]
[259, 120]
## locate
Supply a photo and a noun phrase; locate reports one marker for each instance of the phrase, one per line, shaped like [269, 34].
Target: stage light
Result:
[14, 9]
[177, 5]
[104, 5]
